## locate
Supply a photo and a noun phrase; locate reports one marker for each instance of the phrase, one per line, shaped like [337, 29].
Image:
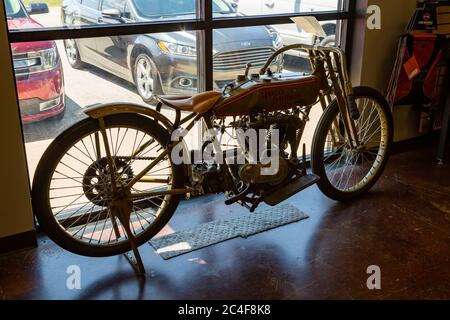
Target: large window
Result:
[83, 52]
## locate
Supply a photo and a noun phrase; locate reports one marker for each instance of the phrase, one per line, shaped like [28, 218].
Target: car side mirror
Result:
[112, 14]
[38, 8]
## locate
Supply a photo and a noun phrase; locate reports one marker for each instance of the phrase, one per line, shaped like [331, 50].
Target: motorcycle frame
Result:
[338, 85]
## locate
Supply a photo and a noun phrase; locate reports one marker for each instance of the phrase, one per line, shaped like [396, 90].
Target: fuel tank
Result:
[255, 94]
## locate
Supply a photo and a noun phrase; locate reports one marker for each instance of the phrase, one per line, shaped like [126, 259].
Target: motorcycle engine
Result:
[253, 173]
[287, 126]
[209, 177]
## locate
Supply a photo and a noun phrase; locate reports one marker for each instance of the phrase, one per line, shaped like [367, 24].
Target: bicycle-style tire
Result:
[49, 162]
[331, 114]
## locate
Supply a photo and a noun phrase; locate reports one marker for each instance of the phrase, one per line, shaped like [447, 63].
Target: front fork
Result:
[344, 98]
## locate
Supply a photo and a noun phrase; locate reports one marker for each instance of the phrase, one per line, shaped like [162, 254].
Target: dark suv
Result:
[163, 62]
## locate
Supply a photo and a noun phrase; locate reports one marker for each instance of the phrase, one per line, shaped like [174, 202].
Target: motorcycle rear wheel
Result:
[71, 190]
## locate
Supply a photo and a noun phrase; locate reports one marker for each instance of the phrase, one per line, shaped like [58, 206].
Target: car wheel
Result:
[73, 54]
[146, 78]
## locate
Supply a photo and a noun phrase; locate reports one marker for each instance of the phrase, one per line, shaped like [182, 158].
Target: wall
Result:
[374, 53]
[15, 205]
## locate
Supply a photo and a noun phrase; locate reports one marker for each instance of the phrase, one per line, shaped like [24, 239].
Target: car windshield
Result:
[158, 8]
[14, 9]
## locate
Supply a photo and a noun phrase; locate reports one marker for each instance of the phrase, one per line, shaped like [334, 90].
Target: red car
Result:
[37, 65]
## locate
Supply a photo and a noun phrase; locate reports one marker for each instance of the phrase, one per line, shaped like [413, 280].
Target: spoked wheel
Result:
[348, 171]
[146, 78]
[73, 54]
[73, 186]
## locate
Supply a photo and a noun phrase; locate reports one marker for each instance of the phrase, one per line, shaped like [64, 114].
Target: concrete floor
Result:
[402, 226]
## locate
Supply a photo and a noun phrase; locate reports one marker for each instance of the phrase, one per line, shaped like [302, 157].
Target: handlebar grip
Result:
[354, 112]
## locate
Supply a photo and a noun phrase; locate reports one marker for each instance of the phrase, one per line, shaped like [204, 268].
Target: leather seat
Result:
[175, 97]
[199, 103]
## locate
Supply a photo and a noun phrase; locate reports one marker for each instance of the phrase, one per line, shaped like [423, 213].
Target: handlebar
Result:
[306, 48]
[325, 51]
[280, 51]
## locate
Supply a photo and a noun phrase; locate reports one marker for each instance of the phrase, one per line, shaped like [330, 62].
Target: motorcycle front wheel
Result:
[346, 171]
[72, 191]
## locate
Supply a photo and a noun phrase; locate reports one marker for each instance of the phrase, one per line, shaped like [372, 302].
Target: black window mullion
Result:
[205, 25]
[94, 31]
[349, 26]
[60, 33]
[205, 48]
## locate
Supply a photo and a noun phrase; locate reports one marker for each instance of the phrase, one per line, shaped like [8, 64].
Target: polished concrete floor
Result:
[402, 226]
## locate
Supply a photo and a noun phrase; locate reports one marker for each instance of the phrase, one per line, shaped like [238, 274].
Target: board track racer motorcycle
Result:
[111, 182]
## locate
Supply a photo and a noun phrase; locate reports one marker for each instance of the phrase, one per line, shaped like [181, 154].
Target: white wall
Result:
[15, 205]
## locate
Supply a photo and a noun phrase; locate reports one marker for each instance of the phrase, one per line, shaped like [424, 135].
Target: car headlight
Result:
[275, 36]
[178, 49]
[37, 61]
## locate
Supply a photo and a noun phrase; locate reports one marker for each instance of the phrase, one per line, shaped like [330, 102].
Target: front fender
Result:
[104, 110]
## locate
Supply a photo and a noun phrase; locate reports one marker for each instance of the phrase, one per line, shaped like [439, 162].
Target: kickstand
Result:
[134, 259]
[135, 263]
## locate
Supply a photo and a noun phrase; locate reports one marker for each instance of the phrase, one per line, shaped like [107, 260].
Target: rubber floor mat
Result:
[214, 232]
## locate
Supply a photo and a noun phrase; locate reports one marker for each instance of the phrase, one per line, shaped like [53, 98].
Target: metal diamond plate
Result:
[214, 232]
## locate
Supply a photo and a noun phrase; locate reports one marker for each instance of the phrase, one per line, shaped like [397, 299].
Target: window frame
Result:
[205, 24]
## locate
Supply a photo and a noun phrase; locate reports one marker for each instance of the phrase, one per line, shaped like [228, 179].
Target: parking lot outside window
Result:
[85, 52]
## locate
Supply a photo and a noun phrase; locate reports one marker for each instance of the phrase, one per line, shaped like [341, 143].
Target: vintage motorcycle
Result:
[109, 183]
